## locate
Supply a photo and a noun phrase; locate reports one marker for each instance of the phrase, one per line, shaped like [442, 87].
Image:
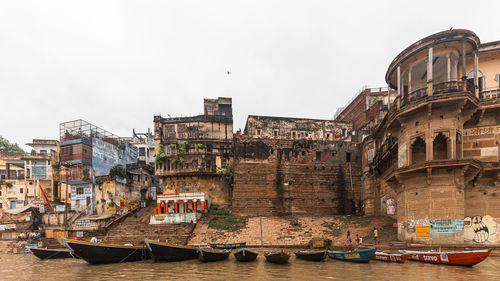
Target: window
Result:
[276, 132]
[21, 190]
[348, 157]
[343, 132]
[43, 151]
[79, 190]
[294, 135]
[318, 155]
[258, 132]
[142, 151]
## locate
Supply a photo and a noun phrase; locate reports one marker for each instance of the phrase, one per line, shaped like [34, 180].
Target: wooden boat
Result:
[381, 256]
[163, 251]
[354, 256]
[245, 255]
[45, 254]
[278, 257]
[207, 254]
[228, 246]
[98, 253]
[464, 258]
[311, 255]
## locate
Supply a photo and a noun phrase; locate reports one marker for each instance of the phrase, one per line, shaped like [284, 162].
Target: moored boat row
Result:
[98, 253]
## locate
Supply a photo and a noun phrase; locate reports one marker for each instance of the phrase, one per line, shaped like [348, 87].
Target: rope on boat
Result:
[127, 256]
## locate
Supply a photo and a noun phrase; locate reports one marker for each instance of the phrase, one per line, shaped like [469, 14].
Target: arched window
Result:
[418, 151]
[440, 147]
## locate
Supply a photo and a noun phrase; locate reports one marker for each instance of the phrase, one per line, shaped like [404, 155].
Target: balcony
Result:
[438, 88]
[490, 93]
[187, 171]
[384, 149]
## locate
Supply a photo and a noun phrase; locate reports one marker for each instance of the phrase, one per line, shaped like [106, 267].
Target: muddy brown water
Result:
[28, 267]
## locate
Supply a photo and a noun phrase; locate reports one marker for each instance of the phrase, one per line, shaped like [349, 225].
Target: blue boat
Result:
[228, 246]
[354, 256]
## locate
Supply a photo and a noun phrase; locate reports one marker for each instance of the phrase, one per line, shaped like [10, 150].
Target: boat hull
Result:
[354, 256]
[381, 256]
[277, 257]
[245, 255]
[464, 258]
[311, 255]
[228, 246]
[208, 255]
[161, 251]
[99, 253]
[45, 254]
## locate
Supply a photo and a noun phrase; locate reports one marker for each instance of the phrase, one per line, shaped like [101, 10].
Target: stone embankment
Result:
[295, 231]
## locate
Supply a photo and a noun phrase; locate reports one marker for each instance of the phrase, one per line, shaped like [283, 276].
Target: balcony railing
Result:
[490, 93]
[417, 94]
[448, 86]
[189, 170]
[389, 142]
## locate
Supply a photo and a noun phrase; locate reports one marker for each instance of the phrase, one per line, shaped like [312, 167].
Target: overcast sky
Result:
[117, 63]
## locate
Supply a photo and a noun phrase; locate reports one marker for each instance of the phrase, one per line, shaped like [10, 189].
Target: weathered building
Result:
[287, 166]
[191, 152]
[433, 161]
[87, 151]
[23, 175]
[366, 110]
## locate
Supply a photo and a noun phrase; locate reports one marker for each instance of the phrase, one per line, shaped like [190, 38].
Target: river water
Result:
[28, 267]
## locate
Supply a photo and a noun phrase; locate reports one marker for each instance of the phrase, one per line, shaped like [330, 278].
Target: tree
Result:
[117, 171]
[6, 146]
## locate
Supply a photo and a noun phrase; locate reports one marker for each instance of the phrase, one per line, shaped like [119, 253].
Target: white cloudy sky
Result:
[117, 63]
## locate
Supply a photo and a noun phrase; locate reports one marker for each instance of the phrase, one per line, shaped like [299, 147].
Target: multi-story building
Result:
[366, 110]
[88, 151]
[23, 175]
[290, 166]
[191, 151]
[435, 166]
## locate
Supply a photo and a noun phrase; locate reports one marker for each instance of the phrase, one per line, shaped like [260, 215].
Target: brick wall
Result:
[280, 177]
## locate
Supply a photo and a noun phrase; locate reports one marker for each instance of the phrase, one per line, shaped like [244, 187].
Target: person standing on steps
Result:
[348, 241]
[375, 235]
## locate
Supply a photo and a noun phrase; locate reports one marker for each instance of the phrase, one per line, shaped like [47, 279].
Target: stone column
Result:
[399, 81]
[448, 66]
[476, 75]
[430, 60]
[409, 79]
[464, 59]
[194, 205]
[388, 97]
[176, 206]
[185, 206]
[429, 145]
[453, 143]
[202, 206]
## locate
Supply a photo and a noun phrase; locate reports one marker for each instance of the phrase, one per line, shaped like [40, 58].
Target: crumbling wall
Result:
[286, 177]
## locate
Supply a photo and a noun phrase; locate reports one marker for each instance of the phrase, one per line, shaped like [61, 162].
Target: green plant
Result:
[182, 145]
[181, 160]
[229, 223]
[6, 146]
[117, 171]
[226, 172]
[160, 154]
[99, 183]
[198, 146]
[8, 184]
[103, 200]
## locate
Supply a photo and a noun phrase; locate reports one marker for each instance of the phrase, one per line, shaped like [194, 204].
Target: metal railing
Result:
[389, 142]
[448, 86]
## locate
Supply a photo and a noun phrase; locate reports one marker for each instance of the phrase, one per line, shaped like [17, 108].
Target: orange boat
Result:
[463, 258]
[381, 256]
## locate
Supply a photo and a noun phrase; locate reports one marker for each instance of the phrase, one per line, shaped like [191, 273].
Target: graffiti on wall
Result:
[481, 229]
